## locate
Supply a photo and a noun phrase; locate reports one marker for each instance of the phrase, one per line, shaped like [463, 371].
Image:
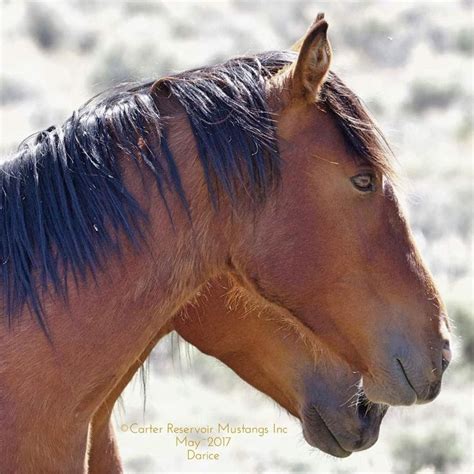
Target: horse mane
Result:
[63, 201]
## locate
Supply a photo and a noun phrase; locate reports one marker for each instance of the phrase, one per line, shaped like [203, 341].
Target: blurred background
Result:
[411, 62]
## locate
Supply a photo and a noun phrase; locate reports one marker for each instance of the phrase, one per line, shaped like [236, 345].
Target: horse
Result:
[266, 167]
[275, 355]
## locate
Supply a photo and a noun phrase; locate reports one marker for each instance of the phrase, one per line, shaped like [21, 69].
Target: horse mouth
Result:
[364, 422]
[404, 375]
[316, 432]
[427, 395]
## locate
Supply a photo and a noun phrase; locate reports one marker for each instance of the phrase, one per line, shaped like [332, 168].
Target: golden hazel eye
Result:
[364, 182]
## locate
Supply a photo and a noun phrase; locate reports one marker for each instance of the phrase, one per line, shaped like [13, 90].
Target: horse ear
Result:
[313, 61]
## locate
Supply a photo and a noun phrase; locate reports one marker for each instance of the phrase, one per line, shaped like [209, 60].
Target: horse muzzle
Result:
[344, 431]
[409, 378]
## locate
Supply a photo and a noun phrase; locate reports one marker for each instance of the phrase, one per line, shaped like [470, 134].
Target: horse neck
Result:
[251, 339]
[188, 246]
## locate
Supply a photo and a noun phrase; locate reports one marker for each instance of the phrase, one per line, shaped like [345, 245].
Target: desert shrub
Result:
[374, 39]
[13, 90]
[464, 129]
[439, 39]
[424, 95]
[465, 41]
[464, 329]
[139, 464]
[436, 449]
[127, 62]
[140, 6]
[442, 211]
[43, 26]
[460, 41]
[375, 106]
[134, 56]
[86, 41]
[113, 67]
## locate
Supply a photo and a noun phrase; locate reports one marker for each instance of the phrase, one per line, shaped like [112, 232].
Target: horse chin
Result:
[343, 433]
[318, 435]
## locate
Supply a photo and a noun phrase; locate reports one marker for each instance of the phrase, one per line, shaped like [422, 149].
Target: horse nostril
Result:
[444, 363]
[446, 356]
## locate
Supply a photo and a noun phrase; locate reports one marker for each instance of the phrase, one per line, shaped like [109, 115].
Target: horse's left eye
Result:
[364, 182]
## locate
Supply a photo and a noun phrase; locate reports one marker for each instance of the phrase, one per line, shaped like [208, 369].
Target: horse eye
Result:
[364, 182]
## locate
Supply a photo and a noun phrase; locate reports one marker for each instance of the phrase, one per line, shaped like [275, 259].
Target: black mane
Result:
[63, 203]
